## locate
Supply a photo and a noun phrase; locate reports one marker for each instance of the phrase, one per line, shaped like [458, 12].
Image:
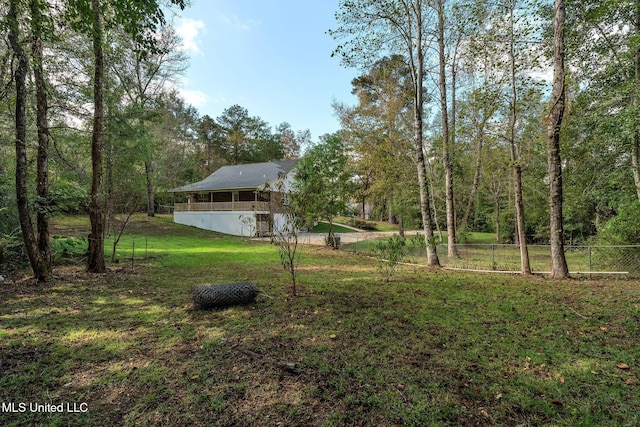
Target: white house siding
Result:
[236, 223]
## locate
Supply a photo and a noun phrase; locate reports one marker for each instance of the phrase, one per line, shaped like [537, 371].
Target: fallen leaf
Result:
[604, 329]
[195, 377]
[484, 414]
[561, 380]
[622, 365]
[556, 402]
[332, 336]
[629, 381]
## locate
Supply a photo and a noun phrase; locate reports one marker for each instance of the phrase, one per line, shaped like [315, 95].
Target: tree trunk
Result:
[635, 163]
[418, 75]
[38, 264]
[435, 215]
[559, 269]
[96, 262]
[497, 213]
[151, 208]
[446, 154]
[635, 149]
[476, 179]
[515, 158]
[42, 123]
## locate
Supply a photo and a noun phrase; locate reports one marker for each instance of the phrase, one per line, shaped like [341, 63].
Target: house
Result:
[233, 200]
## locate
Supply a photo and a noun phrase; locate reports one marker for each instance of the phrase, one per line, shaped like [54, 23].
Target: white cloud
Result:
[190, 31]
[196, 98]
[234, 22]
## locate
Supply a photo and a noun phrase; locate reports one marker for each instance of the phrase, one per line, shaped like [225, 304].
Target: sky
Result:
[272, 57]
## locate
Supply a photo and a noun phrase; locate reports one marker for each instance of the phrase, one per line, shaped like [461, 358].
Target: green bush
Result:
[624, 228]
[362, 224]
[389, 253]
[65, 250]
[68, 197]
[8, 208]
[12, 256]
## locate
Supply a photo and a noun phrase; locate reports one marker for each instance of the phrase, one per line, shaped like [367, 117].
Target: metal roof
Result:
[247, 176]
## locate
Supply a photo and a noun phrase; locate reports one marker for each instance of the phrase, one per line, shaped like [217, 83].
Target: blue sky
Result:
[272, 57]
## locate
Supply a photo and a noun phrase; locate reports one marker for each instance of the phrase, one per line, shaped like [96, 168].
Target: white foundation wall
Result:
[235, 223]
[279, 220]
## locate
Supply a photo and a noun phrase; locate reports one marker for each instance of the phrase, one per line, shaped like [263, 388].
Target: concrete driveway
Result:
[345, 238]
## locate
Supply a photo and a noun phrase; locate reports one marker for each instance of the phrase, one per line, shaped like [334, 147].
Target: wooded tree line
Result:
[518, 117]
[465, 120]
[92, 121]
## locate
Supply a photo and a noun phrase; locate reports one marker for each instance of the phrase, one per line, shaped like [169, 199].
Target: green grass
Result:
[430, 348]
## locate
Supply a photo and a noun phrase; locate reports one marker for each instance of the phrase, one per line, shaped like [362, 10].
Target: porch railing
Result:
[221, 206]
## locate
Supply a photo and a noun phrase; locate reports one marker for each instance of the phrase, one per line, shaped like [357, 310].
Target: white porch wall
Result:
[236, 223]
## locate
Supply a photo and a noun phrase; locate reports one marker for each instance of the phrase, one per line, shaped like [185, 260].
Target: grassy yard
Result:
[430, 348]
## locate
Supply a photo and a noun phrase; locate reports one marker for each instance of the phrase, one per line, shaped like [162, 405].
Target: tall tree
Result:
[379, 130]
[635, 146]
[139, 20]
[290, 141]
[39, 264]
[144, 76]
[369, 28]
[97, 214]
[247, 139]
[38, 30]
[516, 165]
[559, 269]
[446, 141]
[323, 174]
[604, 52]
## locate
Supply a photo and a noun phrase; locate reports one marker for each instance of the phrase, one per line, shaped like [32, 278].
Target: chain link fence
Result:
[581, 260]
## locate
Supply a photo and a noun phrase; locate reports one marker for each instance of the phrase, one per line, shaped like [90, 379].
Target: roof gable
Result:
[247, 176]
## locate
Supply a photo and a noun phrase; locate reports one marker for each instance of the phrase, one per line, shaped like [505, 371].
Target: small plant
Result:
[11, 253]
[68, 249]
[287, 219]
[390, 252]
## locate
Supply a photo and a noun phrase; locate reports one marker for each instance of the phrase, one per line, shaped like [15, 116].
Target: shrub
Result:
[362, 224]
[389, 253]
[68, 197]
[11, 254]
[66, 250]
[624, 228]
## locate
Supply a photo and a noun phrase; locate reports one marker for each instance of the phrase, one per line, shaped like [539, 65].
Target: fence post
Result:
[133, 252]
[493, 257]
[589, 262]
